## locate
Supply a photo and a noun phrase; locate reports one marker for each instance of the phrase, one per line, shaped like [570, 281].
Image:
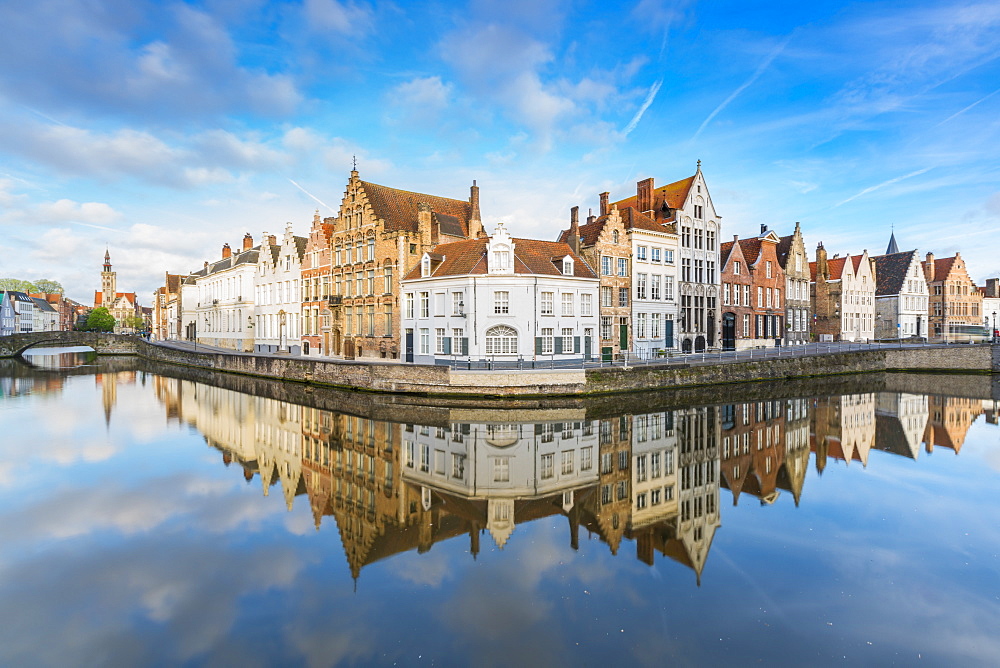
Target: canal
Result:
[152, 515]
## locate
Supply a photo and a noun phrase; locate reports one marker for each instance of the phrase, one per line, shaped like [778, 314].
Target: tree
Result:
[46, 285]
[100, 320]
[17, 285]
[135, 322]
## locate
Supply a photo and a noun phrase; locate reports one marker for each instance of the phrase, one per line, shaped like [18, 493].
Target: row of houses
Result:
[21, 313]
[417, 278]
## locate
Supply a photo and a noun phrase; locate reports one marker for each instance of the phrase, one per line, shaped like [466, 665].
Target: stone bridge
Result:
[103, 343]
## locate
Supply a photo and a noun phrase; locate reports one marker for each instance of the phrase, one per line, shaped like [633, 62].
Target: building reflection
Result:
[652, 479]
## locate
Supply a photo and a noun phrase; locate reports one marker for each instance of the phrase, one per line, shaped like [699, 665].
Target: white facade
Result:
[857, 322]
[654, 468]
[508, 313]
[903, 314]
[224, 307]
[46, 318]
[654, 290]
[277, 298]
[699, 228]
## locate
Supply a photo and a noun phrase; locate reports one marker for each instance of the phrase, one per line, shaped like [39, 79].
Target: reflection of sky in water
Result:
[127, 541]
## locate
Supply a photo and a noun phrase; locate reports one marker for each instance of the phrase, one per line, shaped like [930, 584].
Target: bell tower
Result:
[108, 282]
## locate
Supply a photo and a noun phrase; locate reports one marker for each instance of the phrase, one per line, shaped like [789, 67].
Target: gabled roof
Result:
[751, 249]
[631, 220]
[942, 267]
[398, 208]
[835, 266]
[531, 256]
[783, 248]
[673, 195]
[890, 272]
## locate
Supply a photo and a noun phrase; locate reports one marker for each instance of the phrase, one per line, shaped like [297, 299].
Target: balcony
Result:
[334, 300]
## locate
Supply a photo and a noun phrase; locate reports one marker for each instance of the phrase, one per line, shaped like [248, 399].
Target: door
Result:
[729, 331]
[607, 354]
[409, 345]
[623, 336]
[586, 348]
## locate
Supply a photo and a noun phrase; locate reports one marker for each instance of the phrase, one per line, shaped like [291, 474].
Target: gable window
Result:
[736, 268]
[767, 268]
[699, 211]
[567, 266]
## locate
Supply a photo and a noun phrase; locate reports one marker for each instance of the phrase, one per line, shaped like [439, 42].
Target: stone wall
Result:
[103, 343]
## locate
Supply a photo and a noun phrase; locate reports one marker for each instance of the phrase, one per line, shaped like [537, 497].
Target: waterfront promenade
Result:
[526, 378]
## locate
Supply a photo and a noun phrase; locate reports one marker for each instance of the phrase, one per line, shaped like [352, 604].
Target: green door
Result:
[607, 353]
[623, 336]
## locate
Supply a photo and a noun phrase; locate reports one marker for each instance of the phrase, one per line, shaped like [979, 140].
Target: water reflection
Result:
[651, 478]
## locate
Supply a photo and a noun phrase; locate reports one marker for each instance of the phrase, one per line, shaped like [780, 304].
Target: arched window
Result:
[501, 340]
[614, 236]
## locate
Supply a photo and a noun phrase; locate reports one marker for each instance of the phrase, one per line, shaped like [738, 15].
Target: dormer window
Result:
[501, 258]
[567, 266]
[425, 266]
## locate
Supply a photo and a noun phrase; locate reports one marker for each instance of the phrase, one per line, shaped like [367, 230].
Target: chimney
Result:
[226, 251]
[574, 229]
[206, 265]
[821, 268]
[993, 287]
[604, 203]
[644, 195]
[247, 241]
[590, 216]
[273, 240]
[736, 238]
[929, 268]
[424, 224]
[763, 228]
[475, 218]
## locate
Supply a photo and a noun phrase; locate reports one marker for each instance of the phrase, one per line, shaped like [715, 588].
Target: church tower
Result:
[108, 282]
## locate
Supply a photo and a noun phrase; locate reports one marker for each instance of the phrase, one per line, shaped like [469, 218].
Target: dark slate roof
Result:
[892, 248]
[42, 305]
[783, 249]
[398, 208]
[300, 246]
[531, 256]
[890, 272]
[890, 435]
[449, 225]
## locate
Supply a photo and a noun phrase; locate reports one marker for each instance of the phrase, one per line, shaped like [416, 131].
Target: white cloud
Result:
[345, 18]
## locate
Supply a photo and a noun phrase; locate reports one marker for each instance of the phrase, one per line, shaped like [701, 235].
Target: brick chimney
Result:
[993, 287]
[590, 216]
[247, 241]
[644, 195]
[929, 268]
[273, 240]
[424, 224]
[604, 203]
[574, 229]
[475, 218]
[226, 251]
[822, 271]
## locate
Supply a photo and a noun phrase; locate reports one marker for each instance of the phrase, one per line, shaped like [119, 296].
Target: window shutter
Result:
[576, 344]
[558, 345]
[447, 345]
[465, 345]
[538, 345]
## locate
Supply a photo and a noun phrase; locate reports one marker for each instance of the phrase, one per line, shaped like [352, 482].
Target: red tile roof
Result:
[631, 219]
[673, 195]
[531, 256]
[398, 208]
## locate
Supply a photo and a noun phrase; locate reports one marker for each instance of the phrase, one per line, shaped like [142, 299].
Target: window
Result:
[501, 469]
[725, 294]
[654, 254]
[605, 265]
[640, 468]
[654, 287]
[605, 327]
[425, 304]
[501, 302]
[736, 268]
[640, 253]
[439, 340]
[458, 303]
[567, 340]
[760, 297]
[501, 340]
[567, 266]
[640, 325]
[425, 342]
[668, 256]
[586, 458]
[623, 266]
[501, 259]
[686, 237]
[586, 304]
[686, 269]
[614, 236]
[699, 238]
[623, 296]
[547, 341]
[409, 305]
[606, 296]
[547, 469]
[654, 326]
[640, 286]
[371, 248]
[699, 211]
[546, 303]
[567, 303]
[710, 245]
[668, 288]
[767, 268]
[746, 295]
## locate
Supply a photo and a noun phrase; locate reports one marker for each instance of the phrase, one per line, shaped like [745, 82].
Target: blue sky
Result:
[163, 130]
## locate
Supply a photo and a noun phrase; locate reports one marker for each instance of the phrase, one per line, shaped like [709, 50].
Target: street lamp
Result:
[250, 332]
[993, 333]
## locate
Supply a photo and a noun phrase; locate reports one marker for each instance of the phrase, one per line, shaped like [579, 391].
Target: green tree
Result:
[17, 285]
[100, 320]
[46, 285]
[135, 322]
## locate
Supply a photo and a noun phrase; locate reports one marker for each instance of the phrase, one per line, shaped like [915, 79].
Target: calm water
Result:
[160, 516]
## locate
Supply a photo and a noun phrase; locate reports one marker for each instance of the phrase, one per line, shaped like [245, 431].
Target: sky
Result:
[162, 130]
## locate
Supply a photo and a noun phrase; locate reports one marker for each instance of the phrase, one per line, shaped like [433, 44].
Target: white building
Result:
[17, 313]
[501, 299]
[277, 299]
[654, 468]
[900, 295]
[46, 318]
[224, 308]
[688, 204]
[502, 462]
[654, 284]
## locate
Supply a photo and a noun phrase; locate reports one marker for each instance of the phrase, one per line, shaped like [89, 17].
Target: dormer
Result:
[564, 264]
[500, 252]
[429, 263]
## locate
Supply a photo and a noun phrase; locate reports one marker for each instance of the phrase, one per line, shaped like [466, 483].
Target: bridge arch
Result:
[102, 343]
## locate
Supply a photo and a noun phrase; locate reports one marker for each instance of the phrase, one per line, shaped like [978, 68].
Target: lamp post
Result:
[993, 333]
[250, 332]
[282, 342]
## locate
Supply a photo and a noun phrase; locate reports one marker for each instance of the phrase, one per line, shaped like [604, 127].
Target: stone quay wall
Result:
[430, 380]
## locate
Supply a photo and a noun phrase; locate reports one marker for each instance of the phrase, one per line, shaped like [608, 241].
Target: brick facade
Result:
[954, 298]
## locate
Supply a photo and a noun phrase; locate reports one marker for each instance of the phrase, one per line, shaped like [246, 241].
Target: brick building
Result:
[843, 296]
[379, 235]
[317, 299]
[794, 262]
[751, 268]
[954, 299]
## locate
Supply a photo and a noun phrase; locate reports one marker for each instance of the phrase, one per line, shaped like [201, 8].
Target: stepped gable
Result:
[631, 219]
[673, 195]
[890, 272]
[531, 256]
[398, 209]
[942, 267]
